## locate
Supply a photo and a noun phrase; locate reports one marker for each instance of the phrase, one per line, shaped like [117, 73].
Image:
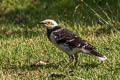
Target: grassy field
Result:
[23, 43]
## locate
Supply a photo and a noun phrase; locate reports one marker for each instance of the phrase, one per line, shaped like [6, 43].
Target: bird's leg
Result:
[71, 58]
[76, 59]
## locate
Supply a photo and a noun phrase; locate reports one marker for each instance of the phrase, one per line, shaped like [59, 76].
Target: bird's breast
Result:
[52, 38]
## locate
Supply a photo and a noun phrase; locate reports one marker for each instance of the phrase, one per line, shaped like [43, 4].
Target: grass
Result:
[23, 42]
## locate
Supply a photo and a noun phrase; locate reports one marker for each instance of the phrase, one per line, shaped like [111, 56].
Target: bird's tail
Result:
[99, 55]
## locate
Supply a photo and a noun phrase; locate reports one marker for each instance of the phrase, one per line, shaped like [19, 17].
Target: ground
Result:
[23, 43]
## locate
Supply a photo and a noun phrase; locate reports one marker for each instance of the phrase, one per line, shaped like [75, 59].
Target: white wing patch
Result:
[71, 40]
[102, 58]
[58, 30]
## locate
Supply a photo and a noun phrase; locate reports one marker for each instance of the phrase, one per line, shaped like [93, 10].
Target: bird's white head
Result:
[49, 23]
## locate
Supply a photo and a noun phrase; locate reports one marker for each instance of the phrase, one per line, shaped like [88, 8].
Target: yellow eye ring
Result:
[49, 23]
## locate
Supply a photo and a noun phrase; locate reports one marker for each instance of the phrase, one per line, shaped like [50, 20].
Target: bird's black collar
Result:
[49, 31]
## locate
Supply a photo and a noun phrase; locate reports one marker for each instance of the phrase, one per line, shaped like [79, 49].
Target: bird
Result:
[69, 42]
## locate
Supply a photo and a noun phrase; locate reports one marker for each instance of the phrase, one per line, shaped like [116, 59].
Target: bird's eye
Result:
[49, 23]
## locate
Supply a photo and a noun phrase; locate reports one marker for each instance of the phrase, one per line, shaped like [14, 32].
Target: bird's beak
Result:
[41, 22]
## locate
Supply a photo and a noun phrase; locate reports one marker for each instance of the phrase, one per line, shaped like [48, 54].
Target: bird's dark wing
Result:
[67, 37]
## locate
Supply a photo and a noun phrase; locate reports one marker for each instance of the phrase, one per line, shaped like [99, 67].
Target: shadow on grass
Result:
[34, 67]
[57, 10]
[68, 73]
[88, 66]
[71, 71]
[31, 67]
[37, 11]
